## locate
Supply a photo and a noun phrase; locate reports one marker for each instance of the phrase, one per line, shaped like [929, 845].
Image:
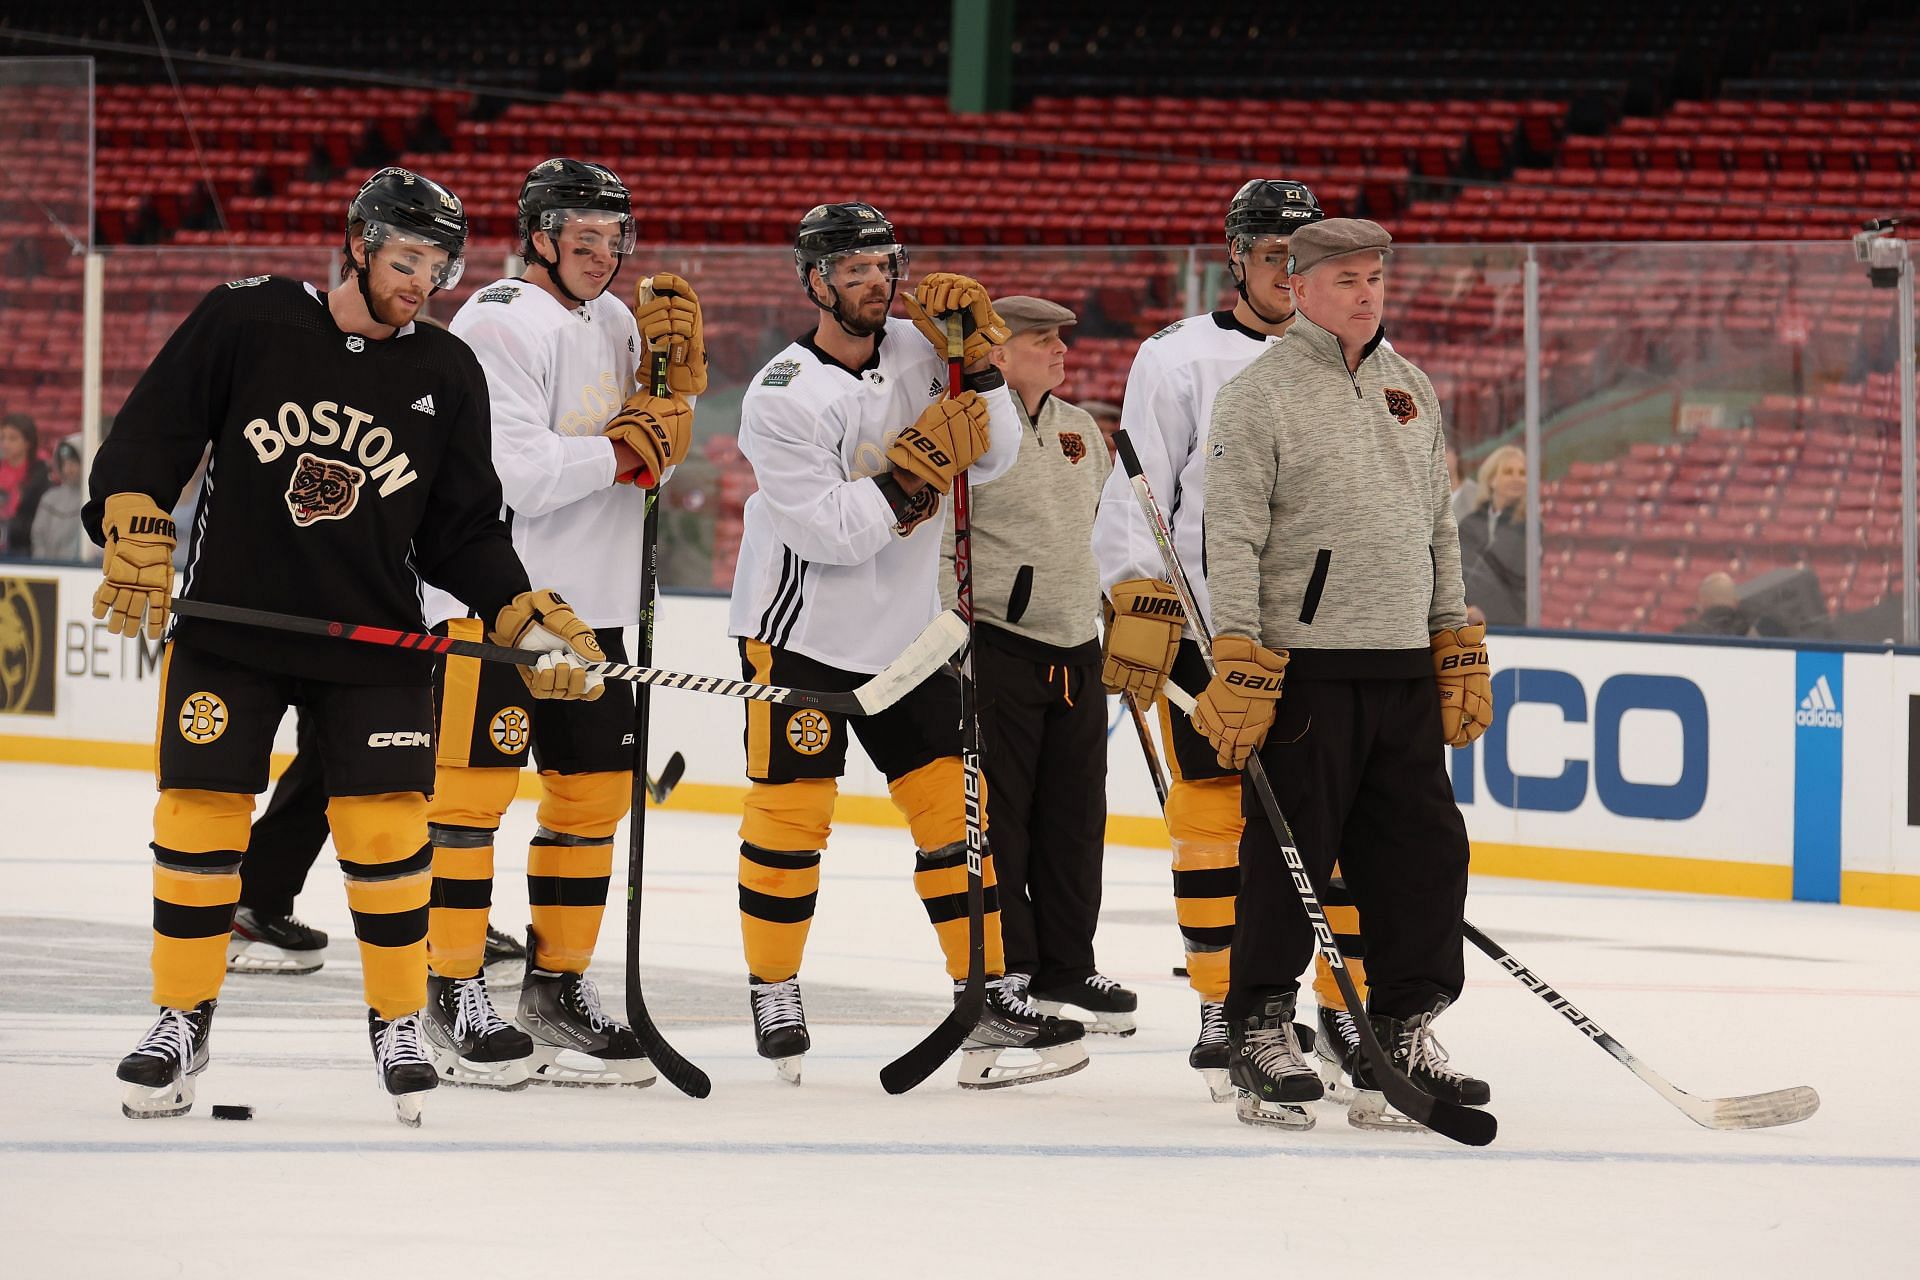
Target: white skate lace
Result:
[1012, 990]
[586, 1000]
[1102, 983]
[1424, 1052]
[400, 1042]
[1275, 1051]
[1349, 1030]
[171, 1037]
[472, 1010]
[777, 1005]
[1213, 1023]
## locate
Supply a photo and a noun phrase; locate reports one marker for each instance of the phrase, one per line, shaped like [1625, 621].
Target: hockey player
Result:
[331, 491]
[853, 442]
[577, 446]
[1037, 659]
[1343, 656]
[1169, 402]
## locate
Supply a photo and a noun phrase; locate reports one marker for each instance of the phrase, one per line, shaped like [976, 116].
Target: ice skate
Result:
[1011, 1023]
[506, 952]
[779, 1025]
[400, 1062]
[1411, 1047]
[159, 1072]
[468, 1040]
[574, 1041]
[1336, 1051]
[1110, 1005]
[273, 944]
[1209, 1053]
[1267, 1052]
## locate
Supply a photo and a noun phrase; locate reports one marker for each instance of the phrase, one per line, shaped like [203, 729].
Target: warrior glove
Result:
[541, 620]
[1144, 623]
[138, 566]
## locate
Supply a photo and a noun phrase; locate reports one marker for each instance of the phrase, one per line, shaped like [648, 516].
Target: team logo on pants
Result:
[203, 717]
[510, 731]
[1401, 405]
[809, 732]
[322, 489]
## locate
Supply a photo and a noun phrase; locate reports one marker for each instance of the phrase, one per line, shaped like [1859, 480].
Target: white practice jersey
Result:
[555, 376]
[1168, 406]
[821, 571]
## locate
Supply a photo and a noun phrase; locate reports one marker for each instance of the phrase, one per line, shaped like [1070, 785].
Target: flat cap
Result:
[1022, 313]
[1315, 243]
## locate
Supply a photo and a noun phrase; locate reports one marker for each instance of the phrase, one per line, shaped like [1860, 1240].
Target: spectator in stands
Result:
[23, 478]
[1719, 612]
[1464, 488]
[1493, 538]
[1106, 416]
[56, 525]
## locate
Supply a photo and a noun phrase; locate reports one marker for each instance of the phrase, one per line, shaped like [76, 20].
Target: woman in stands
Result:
[23, 479]
[1493, 538]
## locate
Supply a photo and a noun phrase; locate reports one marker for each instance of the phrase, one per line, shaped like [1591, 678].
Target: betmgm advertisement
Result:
[29, 614]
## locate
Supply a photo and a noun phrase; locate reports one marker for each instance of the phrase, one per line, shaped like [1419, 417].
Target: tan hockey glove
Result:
[671, 317]
[1236, 709]
[1466, 683]
[138, 566]
[541, 620]
[658, 429]
[943, 292]
[948, 437]
[1144, 622]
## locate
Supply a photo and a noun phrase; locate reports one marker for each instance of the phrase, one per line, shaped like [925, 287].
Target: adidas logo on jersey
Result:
[936, 388]
[1818, 709]
[424, 405]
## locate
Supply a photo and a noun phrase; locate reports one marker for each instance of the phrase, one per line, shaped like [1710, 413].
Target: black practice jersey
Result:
[343, 472]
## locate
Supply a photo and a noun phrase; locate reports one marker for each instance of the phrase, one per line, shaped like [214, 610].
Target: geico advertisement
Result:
[1666, 749]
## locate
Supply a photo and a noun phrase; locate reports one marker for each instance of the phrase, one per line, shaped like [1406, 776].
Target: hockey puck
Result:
[1180, 971]
[222, 1111]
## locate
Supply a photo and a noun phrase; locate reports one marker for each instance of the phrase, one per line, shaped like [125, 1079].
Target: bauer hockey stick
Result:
[919, 1062]
[1468, 1125]
[671, 1063]
[927, 653]
[1753, 1111]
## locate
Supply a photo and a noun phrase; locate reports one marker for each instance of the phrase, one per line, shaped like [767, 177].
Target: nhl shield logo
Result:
[1401, 405]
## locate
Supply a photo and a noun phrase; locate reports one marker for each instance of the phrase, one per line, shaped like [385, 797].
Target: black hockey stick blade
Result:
[1749, 1111]
[916, 1064]
[916, 662]
[662, 787]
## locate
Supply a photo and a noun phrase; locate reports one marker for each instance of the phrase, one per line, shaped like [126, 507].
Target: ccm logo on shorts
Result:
[405, 738]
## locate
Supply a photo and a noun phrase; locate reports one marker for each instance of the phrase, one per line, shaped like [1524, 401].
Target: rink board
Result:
[1752, 770]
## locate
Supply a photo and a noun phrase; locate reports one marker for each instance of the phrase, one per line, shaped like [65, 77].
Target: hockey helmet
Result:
[1270, 207]
[397, 205]
[554, 188]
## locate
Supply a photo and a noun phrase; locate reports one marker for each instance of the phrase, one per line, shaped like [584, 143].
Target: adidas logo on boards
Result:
[424, 405]
[1818, 709]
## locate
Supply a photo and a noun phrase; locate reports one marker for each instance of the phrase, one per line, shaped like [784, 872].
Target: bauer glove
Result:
[947, 438]
[670, 317]
[943, 292]
[657, 428]
[1144, 622]
[1466, 693]
[1236, 709]
[138, 566]
[541, 620]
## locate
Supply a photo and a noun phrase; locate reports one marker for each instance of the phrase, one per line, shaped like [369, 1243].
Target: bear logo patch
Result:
[323, 489]
[1401, 405]
[1073, 446]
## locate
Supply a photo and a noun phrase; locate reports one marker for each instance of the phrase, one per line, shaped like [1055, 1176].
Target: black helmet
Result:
[1270, 207]
[553, 186]
[396, 199]
[830, 230]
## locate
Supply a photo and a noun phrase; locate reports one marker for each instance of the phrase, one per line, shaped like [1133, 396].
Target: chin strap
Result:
[1239, 275]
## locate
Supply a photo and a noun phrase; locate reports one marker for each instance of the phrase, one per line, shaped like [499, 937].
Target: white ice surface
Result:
[1122, 1170]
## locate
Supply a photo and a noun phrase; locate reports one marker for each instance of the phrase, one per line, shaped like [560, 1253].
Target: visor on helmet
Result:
[410, 253]
[591, 229]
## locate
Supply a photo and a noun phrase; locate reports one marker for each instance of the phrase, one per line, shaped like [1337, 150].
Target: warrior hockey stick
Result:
[1154, 768]
[1468, 1125]
[919, 1062]
[1753, 1111]
[680, 1073]
[920, 659]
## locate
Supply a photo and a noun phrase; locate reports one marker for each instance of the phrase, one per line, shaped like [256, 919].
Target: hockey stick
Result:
[1753, 1111]
[919, 1062]
[1468, 1125]
[662, 787]
[680, 1073]
[920, 659]
[1155, 769]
